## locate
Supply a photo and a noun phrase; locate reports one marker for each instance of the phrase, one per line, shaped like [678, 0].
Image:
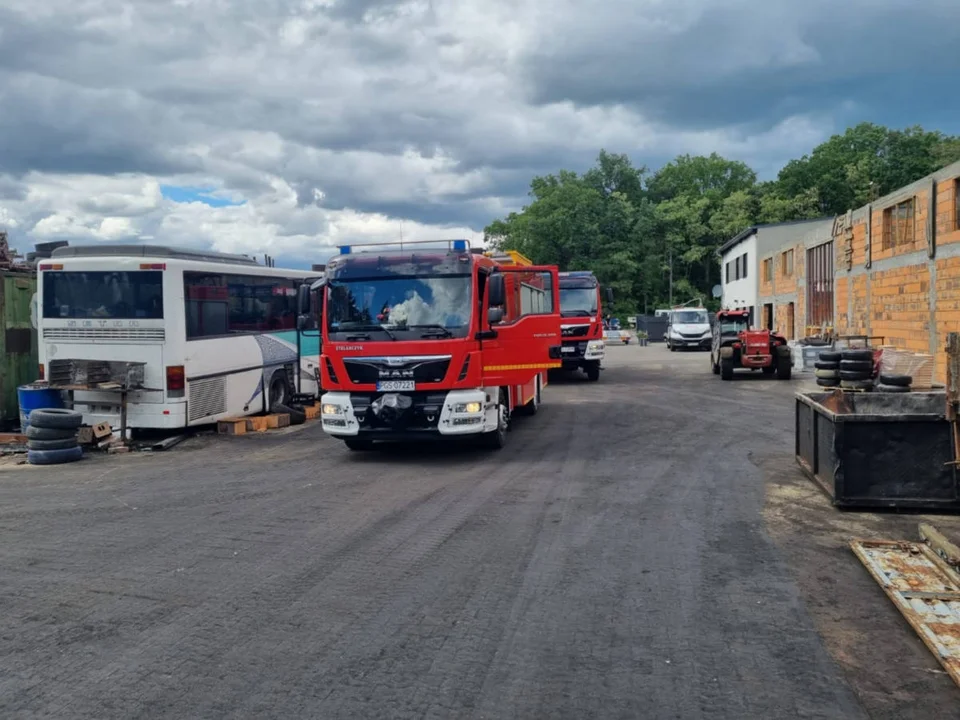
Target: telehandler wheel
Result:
[726, 368]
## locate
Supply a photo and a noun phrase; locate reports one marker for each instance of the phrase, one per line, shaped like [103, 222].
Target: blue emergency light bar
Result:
[344, 249]
[459, 246]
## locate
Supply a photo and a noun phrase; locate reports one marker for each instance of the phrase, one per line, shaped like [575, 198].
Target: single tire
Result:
[893, 388]
[862, 355]
[54, 457]
[42, 433]
[823, 365]
[827, 374]
[55, 418]
[593, 372]
[297, 415]
[726, 368]
[853, 376]
[497, 439]
[358, 444]
[856, 366]
[896, 380]
[64, 444]
[828, 382]
[865, 385]
[829, 356]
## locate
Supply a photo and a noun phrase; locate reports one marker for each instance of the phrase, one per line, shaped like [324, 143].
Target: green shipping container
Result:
[18, 342]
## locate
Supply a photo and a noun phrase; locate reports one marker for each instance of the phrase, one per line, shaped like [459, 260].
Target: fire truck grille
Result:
[423, 413]
[368, 371]
[575, 331]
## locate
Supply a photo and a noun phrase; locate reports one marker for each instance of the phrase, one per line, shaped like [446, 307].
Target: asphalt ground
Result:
[645, 547]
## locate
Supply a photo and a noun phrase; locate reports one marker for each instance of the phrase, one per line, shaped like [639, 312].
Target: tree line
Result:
[647, 234]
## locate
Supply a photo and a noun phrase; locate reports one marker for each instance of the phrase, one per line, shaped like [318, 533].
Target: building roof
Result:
[747, 232]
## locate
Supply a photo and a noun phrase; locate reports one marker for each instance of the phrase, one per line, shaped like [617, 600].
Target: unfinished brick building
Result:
[897, 267]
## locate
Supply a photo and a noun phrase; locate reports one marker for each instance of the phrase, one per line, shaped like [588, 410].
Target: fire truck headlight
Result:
[595, 346]
[470, 407]
[329, 409]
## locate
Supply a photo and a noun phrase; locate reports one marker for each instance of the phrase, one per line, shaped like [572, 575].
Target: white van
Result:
[689, 327]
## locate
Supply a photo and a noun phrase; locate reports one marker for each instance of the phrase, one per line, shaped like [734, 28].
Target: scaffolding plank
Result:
[925, 590]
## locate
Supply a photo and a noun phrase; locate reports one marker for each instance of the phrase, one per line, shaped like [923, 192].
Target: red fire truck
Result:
[583, 345]
[431, 343]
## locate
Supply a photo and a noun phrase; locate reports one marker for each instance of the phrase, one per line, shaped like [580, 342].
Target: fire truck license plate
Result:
[568, 349]
[396, 385]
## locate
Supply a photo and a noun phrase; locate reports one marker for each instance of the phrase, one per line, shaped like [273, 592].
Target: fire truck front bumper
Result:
[402, 416]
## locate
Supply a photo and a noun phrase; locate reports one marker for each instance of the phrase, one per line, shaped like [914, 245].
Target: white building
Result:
[739, 264]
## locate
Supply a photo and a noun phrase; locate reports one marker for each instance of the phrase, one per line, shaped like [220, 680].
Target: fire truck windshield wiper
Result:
[433, 330]
[363, 328]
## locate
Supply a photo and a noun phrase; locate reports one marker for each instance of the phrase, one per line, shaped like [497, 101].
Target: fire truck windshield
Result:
[409, 307]
[578, 301]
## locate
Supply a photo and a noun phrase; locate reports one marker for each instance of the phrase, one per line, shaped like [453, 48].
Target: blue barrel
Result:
[33, 397]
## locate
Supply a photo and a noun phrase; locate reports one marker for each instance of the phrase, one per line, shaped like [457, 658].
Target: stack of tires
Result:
[52, 436]
[890, 383]
[827, 369]
[856, 370]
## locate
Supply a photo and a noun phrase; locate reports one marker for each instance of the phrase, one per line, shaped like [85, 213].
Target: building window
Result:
[220, 304]
[768, 270]
[956, 201]
[898, 225]
[786, 264]
[743, 259]
[736, 264]
[728, 272]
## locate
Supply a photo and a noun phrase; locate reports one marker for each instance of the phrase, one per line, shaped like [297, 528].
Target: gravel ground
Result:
[643, 548]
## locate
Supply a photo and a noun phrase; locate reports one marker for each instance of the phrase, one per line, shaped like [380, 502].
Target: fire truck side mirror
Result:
[609, 294]
[494, 315]
[496, 290]
[303, 300]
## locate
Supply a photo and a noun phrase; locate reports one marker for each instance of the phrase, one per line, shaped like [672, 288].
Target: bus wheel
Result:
[278, 390]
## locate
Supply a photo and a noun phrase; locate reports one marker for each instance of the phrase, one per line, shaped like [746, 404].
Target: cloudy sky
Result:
[288, 126]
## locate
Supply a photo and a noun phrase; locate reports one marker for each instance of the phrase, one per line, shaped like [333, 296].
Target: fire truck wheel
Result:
[497, 439]
[726, 368]
[358, 444]
[593, 372]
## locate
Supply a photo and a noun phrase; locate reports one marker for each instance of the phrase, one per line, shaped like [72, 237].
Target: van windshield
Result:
[690, 317]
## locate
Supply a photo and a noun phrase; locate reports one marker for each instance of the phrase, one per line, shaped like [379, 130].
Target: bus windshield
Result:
[435, 306]
[103, 294]
[578, 301]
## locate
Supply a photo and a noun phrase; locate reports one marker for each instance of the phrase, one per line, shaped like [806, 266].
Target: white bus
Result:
[217, 333]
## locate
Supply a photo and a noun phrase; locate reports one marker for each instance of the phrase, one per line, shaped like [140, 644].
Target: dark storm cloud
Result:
[756, 63]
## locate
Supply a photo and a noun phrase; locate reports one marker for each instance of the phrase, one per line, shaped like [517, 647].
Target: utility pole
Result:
[671, 276]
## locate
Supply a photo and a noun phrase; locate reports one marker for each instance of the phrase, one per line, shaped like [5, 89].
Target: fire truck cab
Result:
[425, 343]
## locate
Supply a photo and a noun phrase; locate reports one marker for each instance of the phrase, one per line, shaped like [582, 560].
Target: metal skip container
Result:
[878, 450]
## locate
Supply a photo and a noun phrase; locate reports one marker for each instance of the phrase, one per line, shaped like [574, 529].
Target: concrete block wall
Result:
[787, 293]
[909, 292]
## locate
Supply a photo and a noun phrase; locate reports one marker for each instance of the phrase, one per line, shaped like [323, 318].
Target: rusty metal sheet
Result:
[924, 589]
